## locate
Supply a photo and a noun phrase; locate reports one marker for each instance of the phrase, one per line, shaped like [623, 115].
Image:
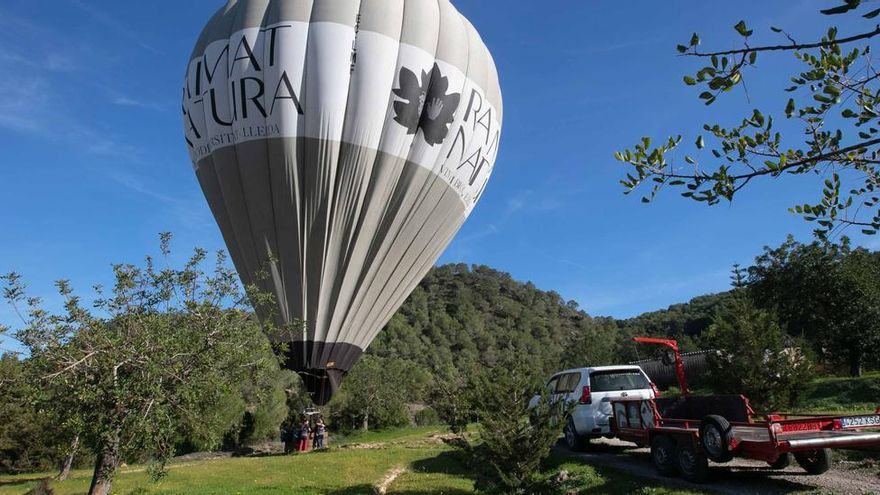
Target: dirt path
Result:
[736, 477]
[388, 479]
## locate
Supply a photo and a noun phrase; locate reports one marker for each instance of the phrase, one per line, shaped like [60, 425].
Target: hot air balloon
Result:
[340, 145]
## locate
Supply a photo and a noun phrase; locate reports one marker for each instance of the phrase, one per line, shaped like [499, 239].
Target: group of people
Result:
[296, 436]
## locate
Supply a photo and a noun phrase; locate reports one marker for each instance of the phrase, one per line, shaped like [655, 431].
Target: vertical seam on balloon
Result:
[386, 224]
[359, 285]
[406, 220]
[467, 29]
[242, 243]
[260, 283]
[420, 197]
[280, 292]
[333, 290]
[304, 237]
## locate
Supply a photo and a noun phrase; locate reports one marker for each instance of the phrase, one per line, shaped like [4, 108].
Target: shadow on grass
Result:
[361, 489]
[21, 481]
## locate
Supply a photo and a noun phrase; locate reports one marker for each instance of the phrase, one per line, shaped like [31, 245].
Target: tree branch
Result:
[767, 171]
[793, 46]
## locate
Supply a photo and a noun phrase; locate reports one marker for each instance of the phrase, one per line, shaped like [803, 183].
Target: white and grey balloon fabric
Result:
[340, 144]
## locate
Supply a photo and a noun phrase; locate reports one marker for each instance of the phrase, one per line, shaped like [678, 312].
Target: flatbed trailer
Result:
[684, 433]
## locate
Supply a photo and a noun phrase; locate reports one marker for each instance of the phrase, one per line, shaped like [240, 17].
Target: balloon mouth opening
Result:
[322, 366]
[321, 384]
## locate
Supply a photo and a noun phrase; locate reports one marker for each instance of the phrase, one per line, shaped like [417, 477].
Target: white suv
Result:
[592, 389]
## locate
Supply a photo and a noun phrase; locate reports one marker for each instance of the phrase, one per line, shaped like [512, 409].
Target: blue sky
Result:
[94, 165]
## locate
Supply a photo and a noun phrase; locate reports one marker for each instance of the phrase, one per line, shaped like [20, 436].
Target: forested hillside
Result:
[461, 315]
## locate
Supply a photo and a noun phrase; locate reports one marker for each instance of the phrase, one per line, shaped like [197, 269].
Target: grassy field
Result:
[844, 394]
[425, 464]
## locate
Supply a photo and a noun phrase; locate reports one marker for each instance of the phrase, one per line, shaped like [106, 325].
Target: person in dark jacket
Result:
[288, 435]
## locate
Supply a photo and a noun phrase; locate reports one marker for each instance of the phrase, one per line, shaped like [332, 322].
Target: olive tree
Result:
[148, 361]
[833, 104]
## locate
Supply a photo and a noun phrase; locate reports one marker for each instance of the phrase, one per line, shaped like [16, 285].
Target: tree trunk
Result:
[855, 366]
[68, 460]
[105, 467]
[366, 425]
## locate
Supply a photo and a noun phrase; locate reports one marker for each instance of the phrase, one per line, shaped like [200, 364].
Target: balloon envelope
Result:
[340, 145]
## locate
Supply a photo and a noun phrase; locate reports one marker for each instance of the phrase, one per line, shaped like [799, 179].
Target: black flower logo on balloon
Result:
[425, 105]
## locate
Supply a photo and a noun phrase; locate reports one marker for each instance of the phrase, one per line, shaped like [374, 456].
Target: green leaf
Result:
[775, 29]
[700, 144]
[872, 14]
[689, 80]
[681, 48]
[789, 108]
[752, 57]
[842, 9]
[695, 39]
[742, 29]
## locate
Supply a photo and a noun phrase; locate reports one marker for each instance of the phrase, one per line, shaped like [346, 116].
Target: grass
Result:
[430, 468]
[844, 394]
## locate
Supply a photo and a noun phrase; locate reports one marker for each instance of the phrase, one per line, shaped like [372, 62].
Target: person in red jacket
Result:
[304, 430]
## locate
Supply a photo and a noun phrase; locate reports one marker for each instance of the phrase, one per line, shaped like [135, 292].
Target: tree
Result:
[29, 440]
[450, 395]
[377, 392]
[513, 439]
[755, 356]
[149, 363]
[824, 292]
[595, 345]
[836, 102]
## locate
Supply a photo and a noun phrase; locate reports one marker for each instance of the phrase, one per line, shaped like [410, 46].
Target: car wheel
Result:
[715, 436]
[782, 462]
[693, 465]
[663, 455]
[814, 461]
[573, 439]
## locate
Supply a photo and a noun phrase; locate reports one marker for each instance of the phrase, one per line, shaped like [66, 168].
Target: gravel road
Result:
[735, 477]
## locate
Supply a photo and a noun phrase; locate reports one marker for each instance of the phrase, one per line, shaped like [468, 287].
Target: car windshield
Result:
[610, 381]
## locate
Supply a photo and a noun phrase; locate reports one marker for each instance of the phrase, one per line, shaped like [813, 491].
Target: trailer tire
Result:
[814, 461]
[693, 465]
[663, 455]
[782, 462]
[573, 440]
[715, 436]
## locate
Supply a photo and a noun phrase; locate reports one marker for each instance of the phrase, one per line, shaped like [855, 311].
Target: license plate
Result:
[860, 421]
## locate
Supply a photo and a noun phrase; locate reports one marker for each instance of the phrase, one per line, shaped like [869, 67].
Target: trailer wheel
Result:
[573, 440]
[814, 461]
[663, 455]
[715, 436]
[782, 462]
[694, 466]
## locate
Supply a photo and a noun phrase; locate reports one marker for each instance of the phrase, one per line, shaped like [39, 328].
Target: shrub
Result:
[427, 417]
